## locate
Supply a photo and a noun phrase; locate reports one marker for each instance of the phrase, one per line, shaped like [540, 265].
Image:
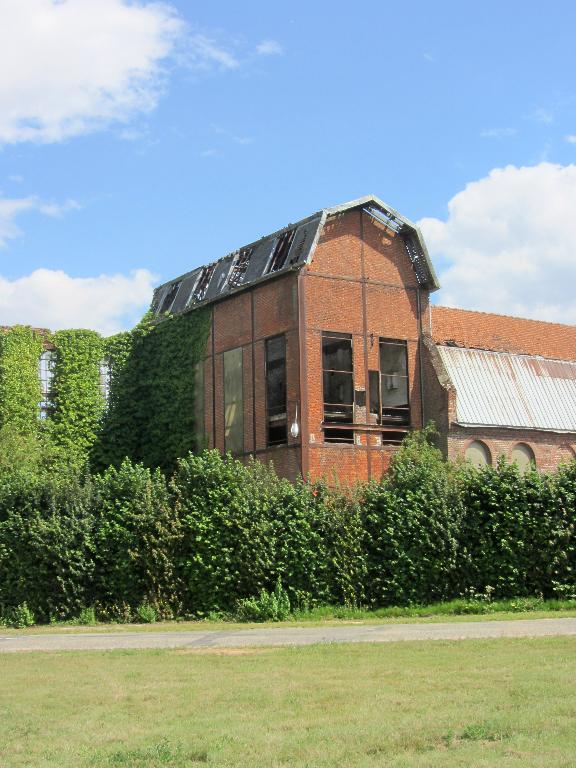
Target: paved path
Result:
[365, 633]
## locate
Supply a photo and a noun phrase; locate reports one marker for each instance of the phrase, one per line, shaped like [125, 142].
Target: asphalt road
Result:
[279, 636]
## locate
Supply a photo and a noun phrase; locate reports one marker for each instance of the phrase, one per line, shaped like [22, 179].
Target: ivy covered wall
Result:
[20, 395]
[149, 416]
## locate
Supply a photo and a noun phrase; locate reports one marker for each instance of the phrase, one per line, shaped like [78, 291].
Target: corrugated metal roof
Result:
[501, 389]
[288, 249]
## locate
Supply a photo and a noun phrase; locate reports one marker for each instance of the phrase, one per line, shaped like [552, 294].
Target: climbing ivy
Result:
[20, 350]
[150, 413]
[150, 416]
[78, 400]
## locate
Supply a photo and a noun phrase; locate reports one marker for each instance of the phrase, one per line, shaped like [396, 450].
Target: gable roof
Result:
[498, 389]
[502, 333]
[285, 250]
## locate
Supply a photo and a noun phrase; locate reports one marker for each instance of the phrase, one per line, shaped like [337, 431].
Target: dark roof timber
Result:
[283, 251]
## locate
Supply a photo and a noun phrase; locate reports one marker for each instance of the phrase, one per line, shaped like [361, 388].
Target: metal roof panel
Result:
[502, 389]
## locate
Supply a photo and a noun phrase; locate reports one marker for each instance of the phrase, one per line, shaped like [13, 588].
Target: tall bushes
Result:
[220, 531]
[412, 520]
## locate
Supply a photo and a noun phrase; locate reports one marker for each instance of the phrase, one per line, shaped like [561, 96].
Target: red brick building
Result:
[324, 351]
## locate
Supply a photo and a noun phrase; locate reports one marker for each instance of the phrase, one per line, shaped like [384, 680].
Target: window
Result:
[203, 282]
[281, 250]
[389, 386]
[233, 401]
[523, 456]
[105, 376]
[478, 454]
[46, 366]
[276, 419]
[338, 386]
[169, 298]
[240, 267]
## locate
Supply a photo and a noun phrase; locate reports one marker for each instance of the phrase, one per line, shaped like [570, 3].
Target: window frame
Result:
[338, 429]
[278, 416]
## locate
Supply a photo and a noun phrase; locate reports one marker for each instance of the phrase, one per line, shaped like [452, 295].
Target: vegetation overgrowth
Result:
[221, 538]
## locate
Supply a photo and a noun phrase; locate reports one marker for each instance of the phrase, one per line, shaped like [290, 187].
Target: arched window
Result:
[523, 456]
[478, 454]
[46, 366]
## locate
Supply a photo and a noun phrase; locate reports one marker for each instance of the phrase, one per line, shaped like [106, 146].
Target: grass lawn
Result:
[520, 608]
[471, 703]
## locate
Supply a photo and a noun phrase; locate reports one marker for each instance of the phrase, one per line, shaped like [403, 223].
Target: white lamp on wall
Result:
[295, 428]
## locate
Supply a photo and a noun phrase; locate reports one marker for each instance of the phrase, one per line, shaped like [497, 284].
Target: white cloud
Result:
[71, 66]
[509, 243]
[53, 299]
[571, 139]
[498, 133]
[269, 48]
[542, 115]
[204, 52]
[11, 208]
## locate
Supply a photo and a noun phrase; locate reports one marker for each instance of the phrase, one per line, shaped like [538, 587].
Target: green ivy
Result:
[150, 416]
[20, 394]
[78, 400]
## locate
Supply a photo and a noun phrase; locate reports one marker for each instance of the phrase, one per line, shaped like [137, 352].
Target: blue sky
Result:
[138, 140]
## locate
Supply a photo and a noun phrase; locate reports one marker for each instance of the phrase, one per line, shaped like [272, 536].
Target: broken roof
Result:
[498, 389]
[283, 251]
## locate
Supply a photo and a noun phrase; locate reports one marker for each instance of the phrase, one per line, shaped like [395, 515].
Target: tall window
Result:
[338, 385]
[276, 419]
[46, 366]
[389, 386]
[233, 401]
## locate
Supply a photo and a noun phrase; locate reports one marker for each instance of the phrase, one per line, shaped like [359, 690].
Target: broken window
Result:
[233, 401]
[276, 418]
[281, 250]
[240, 266]
[338, 386]
[46, 366]
[169, 297]
[394, 402]
[203, 282]
[105, 374]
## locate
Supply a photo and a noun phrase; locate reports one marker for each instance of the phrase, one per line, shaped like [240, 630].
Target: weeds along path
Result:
[290, 636]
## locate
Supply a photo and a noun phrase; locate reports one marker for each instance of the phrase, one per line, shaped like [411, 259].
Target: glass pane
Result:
[338, 388]
[336, 354]
[374, 382]
[393, 357]
[394, 391]
[233, 401]
[275, 349]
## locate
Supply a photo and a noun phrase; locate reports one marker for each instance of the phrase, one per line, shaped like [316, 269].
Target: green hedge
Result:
[218, 531]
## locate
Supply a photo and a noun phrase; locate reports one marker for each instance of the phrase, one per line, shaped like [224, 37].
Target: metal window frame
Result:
[267, 407]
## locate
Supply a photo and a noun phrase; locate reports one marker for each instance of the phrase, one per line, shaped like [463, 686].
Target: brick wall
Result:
[246, 320]
[549, 448]
[361, 282]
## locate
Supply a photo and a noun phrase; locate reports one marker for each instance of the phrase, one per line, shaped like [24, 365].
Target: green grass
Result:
[410, 705]
[454, 610]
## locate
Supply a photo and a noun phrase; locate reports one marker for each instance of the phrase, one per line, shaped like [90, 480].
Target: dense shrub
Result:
[46, 554]
[136, 538]
[412, 520]
[128, 544]
[517, 532]
[227, 540]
